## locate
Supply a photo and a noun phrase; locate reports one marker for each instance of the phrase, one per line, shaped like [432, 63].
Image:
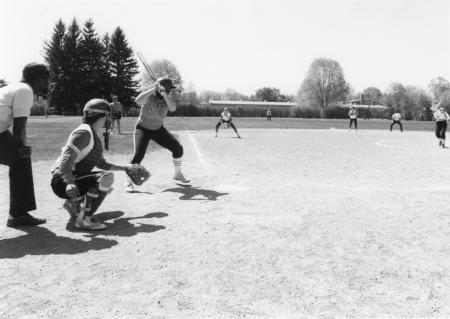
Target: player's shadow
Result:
[41, 241]
[195, 193]
[116, 225]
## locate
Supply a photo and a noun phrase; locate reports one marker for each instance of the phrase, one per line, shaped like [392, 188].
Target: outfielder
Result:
[15, 105]
[73, 177]
[155, 103]
[268, 117]
[116, 113]
[441, 117]
[353, 115]
[225, 118]
[397, 119]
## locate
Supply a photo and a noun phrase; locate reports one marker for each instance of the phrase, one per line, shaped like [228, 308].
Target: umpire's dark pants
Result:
[21, 189]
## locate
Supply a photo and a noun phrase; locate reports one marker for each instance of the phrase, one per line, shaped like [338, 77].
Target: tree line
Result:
[85, 65]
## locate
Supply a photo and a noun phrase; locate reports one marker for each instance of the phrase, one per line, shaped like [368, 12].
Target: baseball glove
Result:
[137, 173]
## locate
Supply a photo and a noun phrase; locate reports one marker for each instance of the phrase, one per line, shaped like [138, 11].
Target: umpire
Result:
[15, 105]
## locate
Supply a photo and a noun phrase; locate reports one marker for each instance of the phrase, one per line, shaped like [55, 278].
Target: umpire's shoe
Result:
[25, 220]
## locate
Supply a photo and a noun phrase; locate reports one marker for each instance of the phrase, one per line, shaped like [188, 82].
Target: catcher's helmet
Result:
[96, 106]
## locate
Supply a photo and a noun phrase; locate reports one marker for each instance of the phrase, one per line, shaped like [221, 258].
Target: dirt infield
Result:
[279, 224]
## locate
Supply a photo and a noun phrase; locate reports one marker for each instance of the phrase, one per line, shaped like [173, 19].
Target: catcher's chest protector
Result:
[90, 156]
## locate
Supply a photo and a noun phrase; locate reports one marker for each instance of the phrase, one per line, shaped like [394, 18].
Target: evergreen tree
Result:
[53, 56]
[72, 78]
[107, 83]
[92, 57]
[124, 68]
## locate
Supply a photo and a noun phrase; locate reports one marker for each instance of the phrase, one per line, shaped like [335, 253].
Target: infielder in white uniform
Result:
[225, 118]
[396, 119]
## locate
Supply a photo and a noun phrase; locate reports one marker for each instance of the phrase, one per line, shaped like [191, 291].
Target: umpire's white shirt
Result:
[16, 100]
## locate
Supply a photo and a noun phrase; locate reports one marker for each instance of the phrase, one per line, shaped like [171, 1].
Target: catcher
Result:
[73, 177]
[155, 103]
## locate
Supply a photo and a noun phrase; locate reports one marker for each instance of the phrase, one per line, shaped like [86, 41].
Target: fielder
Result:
[441, 117]
[116, 113]
[269, 117]
[155, 103]
[353, 115]
[397, 119]
[15, 105]
[225, 118]
[73, 178]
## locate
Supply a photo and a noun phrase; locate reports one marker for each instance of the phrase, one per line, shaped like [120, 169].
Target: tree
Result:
[371, 96]
[3, 83]
[123, 67]
[418, 104]
[92, 70]
[53, 55]
[205, 96]
[71, 79]
[270, 95]
[396, 98]
[163, 68]
[324, 83]
[440, 88]
[232, 95]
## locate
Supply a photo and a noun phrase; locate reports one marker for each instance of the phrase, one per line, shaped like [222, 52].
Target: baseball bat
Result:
[146, 66]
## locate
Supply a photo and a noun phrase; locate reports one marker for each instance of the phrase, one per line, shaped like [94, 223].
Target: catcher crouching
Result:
[73, 178]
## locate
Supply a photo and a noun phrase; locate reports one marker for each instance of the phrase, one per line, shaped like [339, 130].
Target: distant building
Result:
[251, 104]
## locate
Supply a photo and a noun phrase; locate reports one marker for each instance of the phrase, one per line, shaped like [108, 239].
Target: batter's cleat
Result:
[180, 178]
[72, 208]
[25, 220]
[89, 223]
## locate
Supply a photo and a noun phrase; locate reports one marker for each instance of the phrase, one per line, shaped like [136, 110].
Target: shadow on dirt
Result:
[193, 193]
[121, 226]
[41, 241]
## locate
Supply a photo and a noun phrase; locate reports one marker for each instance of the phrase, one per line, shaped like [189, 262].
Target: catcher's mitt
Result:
[137, 173]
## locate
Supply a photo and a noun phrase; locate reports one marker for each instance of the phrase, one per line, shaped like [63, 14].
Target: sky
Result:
[245, 45]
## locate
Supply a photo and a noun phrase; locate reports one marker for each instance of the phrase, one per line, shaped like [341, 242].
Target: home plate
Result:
[229, 188]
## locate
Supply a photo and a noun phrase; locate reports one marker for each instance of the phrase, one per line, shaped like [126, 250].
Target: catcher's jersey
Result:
[16, 100]
[82, 152]
[153, 113]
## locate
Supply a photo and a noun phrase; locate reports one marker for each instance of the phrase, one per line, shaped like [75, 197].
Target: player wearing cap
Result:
[73, 177]
[441, 117]
[15, 105]
[116, 113]
[225, 118]
[396, 119]
[155, 103]
[353, 115]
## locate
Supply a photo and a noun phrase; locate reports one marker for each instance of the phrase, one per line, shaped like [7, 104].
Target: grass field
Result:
[47, 135]
[311, 221]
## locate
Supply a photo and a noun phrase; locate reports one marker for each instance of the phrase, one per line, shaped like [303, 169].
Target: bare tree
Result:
[440, 88]
[324, 83]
